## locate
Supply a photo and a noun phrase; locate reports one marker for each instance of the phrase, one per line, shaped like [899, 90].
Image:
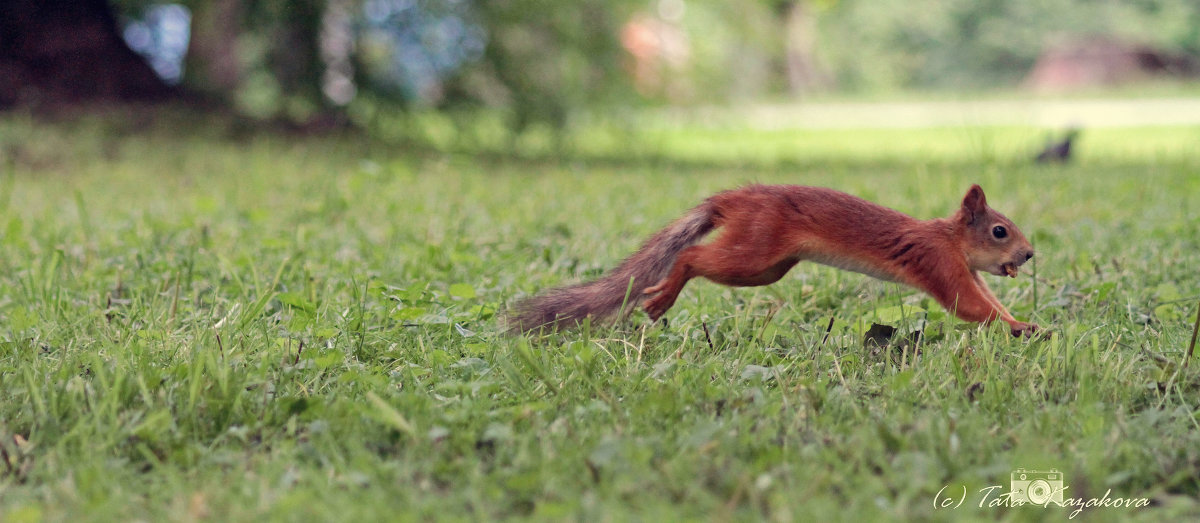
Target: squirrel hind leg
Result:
[712, 263]
[664, 293]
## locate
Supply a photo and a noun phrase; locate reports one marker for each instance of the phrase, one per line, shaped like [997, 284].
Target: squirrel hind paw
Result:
[657, 306]
[1022, 329]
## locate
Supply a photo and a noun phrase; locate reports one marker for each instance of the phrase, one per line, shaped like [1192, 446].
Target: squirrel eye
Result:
[999, 232]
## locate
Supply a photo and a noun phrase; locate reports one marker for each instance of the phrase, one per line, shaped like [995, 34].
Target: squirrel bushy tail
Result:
[568, 306]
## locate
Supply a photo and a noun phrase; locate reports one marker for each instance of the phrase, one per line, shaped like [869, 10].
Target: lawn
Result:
[242, 327]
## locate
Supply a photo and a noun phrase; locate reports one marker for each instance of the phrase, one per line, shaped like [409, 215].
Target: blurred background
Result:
[460, 68]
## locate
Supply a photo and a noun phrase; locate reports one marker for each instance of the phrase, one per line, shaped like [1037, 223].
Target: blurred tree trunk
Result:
[295, 58]
[800, 34]
[213, 59]
[66, 52]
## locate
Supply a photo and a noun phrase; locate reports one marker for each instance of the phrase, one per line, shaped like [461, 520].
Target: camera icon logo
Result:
[1037, 487]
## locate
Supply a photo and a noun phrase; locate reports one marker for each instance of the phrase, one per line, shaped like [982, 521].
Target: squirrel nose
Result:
[1028, 255]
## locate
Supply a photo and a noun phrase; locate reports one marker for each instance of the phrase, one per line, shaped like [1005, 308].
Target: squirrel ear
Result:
[974, 204]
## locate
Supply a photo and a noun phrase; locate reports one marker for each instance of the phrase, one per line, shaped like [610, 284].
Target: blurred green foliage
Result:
[547, 56]
[542, 64]
[540, 60]
[889, 44]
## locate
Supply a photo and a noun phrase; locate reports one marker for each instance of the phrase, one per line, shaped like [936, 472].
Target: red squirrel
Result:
[765, 230]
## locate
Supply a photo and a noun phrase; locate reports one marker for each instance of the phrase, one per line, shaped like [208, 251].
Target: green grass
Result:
[299, 329]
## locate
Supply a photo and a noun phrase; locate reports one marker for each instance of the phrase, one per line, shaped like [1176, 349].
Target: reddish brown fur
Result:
[765, 230]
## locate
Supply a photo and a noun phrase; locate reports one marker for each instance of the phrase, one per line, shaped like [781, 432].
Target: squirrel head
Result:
[991, 241]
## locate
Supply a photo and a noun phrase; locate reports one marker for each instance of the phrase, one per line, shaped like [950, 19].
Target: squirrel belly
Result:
[765, 230]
